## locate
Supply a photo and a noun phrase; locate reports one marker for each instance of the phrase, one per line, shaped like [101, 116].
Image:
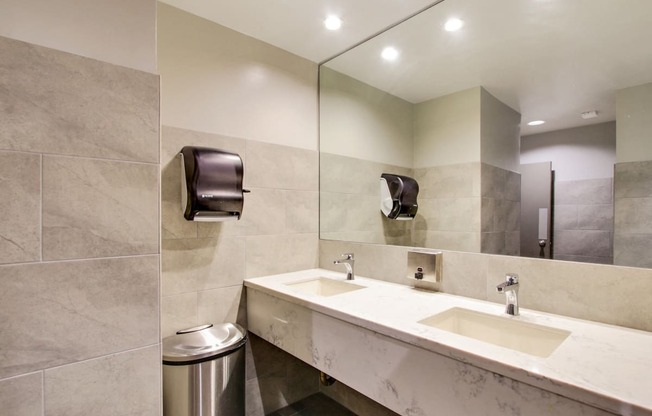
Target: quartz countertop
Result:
[605, 366]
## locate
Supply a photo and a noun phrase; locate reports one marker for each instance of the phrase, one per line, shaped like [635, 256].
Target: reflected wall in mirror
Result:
[452, 111]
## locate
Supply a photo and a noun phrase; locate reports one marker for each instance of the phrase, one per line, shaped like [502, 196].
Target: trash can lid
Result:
[202, 342]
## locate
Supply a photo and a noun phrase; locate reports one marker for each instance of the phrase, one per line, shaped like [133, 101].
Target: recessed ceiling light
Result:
[333, 22]
[535, 123]
[453, 24]
[389, 53]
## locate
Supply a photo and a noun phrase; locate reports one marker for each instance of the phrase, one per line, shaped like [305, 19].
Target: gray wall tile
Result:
[290, 252]
[22, 396]
[282, 167]
[584, 192]
[633, 215]
[565, 217]
[192, 265]
[178, 312]
[584, 243]
[173, 224]
[94, 208]
[451, 181]
[219, 305]
[632, 250]
[76, 106]
[62, 312]
[301, 211]
[595, 217]
[342, 174]
[20, 226]
[633, 180]
[494, 181]
[602, 293]
[128, 383]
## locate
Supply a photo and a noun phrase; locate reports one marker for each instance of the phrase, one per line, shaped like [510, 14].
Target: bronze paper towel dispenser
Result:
[211, 184]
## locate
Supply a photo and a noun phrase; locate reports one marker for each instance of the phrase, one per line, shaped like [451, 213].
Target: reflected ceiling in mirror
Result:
[451, 110]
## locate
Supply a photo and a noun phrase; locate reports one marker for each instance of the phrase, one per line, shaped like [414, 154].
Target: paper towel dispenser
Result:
[211, 184]
[398, 196]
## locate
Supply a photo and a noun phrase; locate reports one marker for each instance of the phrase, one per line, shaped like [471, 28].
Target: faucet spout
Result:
[510, 288]
[349, 262]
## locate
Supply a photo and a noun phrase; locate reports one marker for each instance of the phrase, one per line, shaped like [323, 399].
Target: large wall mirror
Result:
[454, 108]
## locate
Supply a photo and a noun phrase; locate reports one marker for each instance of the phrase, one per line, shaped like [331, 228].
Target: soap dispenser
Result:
[211, 184]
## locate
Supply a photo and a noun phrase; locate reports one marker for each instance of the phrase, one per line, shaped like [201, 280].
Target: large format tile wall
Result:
[449, 207]
[633, 214]
[225, 90]
[350, 201]
[468, 207]
[204, 264]
[79, 235]
[501, 211]
[603, 293]
[584, 220]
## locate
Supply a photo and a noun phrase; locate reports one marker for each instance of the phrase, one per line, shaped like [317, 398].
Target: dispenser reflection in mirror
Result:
[211, 184]
[456, 119]
[398, 196]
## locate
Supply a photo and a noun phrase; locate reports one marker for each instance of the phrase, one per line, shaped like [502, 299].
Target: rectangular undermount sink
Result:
[323, 286]
[525, 337]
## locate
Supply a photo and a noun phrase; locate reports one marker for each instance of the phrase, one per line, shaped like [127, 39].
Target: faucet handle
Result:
[348, 256]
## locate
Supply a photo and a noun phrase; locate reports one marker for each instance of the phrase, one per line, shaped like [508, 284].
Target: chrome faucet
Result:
[510, 288]
[349, 262]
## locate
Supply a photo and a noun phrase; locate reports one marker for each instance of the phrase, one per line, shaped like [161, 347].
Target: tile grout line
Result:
[106, 159]
[30, 263]
[42, 392]
[41, 188]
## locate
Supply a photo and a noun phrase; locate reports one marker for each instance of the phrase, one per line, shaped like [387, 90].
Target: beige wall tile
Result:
[219, 305]
[128, 383]
[281, 167]
[464, 274]
[633, 180]
[94, 208]
[178, 312]
[602, 293]
[65, 104]
[20, 226]
[632, 250]
[173, 224]
[22, 396]
[450, 181]
[62, 312]
[301, 211]
[349, 212]
[191, 265]
[633, 215]
[281, 253]
[584, 192]
[265, 212]
[173, 139]
[593, 243]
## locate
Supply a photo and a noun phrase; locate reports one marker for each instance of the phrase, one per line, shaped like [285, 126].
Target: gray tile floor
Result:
[316, 405]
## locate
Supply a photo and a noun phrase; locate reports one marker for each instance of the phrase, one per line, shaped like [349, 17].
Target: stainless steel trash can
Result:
[204, 371]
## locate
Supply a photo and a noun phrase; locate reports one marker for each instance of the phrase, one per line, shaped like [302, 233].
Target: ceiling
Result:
[547, 59]
[297, 25]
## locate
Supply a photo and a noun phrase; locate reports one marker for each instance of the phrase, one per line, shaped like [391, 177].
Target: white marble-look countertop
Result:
[605, 366]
